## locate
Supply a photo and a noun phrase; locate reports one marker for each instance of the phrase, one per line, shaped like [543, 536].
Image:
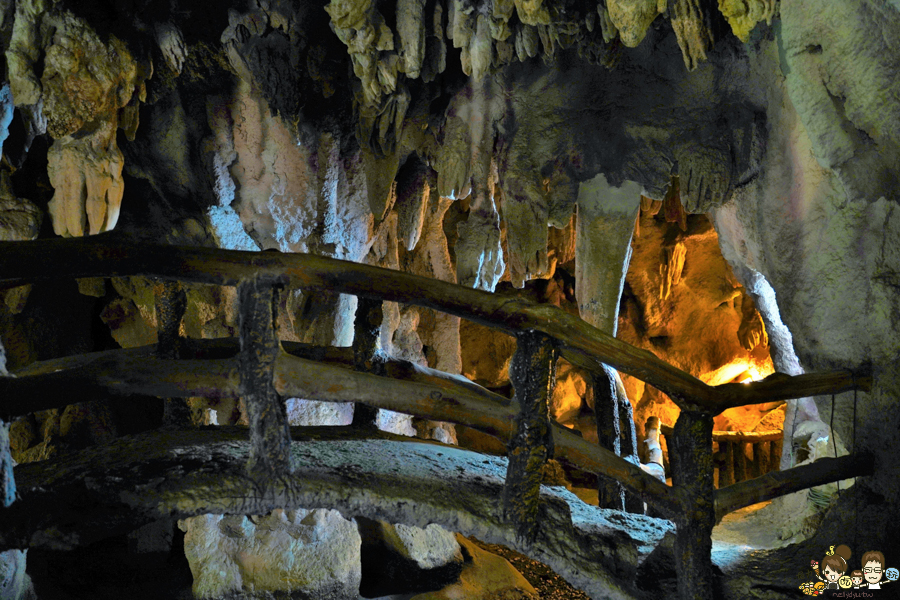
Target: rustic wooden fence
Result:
[262, 371]
[742, 455]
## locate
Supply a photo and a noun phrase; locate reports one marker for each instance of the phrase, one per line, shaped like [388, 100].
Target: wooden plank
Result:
[780, 483]
[690, 454]
[532, 373]
[113, 254]
[270, 437]
[59, 382]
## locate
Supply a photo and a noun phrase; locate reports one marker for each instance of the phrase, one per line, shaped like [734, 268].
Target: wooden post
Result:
[533, 375]
[740, 462]
[366, 327]
[775, 454]
[171, 304]
[606, 414]
[690, 454]
[726, 472]
[270, 436]
[765, 460]
[756, 461]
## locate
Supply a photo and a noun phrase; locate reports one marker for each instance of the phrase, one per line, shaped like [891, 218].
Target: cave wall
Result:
[456, 149]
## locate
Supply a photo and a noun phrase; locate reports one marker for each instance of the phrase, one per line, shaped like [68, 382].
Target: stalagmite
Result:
[654, 464]
[671, 205]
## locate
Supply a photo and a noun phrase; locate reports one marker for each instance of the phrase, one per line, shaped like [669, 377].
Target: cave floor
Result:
[748, 531]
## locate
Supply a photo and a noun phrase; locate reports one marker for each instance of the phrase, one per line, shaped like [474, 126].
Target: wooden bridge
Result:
[184, 472]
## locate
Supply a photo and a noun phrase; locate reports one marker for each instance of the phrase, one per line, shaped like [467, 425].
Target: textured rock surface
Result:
[313, 552]
[19, 218]
[485, 576]
[606, 218]
[409, 482]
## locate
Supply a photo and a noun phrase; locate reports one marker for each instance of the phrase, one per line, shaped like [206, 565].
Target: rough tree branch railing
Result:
[731, 459]
[325, 374]
[111, 255]
[780, 483]
[108, 255]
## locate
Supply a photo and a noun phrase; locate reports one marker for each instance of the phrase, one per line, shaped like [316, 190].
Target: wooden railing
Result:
[731, 450]
[261, 370]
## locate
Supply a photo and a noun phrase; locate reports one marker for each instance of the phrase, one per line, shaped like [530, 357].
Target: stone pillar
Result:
[605, 225]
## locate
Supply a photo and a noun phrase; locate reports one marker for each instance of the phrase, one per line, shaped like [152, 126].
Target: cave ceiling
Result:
[513, 102]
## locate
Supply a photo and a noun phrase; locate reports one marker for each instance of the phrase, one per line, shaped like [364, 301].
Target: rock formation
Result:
[713, 183]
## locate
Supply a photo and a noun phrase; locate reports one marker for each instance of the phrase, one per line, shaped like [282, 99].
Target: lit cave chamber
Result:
[449, 299]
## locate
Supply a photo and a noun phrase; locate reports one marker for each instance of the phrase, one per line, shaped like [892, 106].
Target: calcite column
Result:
[605, 224]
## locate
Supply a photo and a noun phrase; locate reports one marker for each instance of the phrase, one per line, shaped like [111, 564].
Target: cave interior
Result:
[449, 299]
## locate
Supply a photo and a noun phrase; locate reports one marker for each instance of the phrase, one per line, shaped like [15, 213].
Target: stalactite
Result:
[743, 15]
[632, 18]
[752, 330]
[670, 268]
[691, 30]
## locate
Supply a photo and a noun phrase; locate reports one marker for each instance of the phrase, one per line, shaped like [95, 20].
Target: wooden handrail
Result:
[111, 254]
[751, 437]
[407, 388]
[781, 483]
